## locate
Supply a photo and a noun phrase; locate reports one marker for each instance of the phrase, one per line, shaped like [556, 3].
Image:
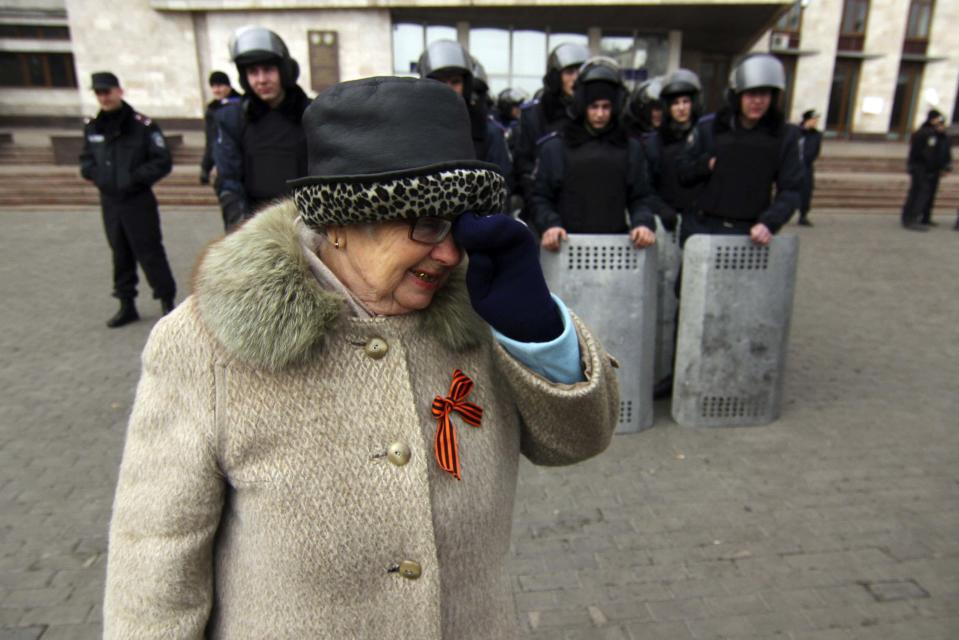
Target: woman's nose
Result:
[447, 252]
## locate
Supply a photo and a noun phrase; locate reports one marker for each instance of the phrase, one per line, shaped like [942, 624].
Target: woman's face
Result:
[390, 273]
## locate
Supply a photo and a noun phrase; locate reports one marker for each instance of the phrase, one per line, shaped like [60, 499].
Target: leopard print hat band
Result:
[446, 193]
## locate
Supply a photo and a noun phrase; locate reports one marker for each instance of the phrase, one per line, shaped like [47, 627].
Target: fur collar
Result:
[256, 295]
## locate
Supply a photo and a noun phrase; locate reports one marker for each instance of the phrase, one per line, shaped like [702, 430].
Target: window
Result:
[409, 42]
[920, 16]
[34, 32]
[516, 58]
[37, 70]
[640, 56]
[852, 29]
[854, 15]
[791, 21]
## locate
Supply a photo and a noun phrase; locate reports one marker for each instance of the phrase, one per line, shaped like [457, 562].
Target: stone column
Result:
[885, 30]
[940, 78]
[818, 42]
[675, 50]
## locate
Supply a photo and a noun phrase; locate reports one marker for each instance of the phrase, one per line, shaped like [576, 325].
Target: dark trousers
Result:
[132, 225]
[921, 196]
[805, 192]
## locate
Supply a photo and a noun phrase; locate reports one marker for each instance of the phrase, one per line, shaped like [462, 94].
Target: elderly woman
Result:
[325, 438]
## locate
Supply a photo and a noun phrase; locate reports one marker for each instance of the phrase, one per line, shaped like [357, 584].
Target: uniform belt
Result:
[729, 223]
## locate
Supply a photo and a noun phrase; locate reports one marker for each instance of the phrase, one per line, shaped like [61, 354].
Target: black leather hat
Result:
[103, 80]
[390, 148]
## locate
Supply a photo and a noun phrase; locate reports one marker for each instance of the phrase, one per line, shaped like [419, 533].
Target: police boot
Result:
[804, 221]
[167, 305]
[956, 226]
[126, 314]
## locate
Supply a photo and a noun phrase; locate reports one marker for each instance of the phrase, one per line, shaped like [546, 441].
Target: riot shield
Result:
[668, 259]
[611, 285]
[733, 327]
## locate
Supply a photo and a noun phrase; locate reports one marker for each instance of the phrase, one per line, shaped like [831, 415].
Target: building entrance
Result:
[904, 102]
[845, 77]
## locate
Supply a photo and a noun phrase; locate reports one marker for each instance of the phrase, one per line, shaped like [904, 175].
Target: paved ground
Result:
[838, 522]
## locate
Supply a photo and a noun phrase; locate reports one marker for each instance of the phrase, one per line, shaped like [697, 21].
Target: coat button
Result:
[376, 348]
[398, 453]
[410, 570]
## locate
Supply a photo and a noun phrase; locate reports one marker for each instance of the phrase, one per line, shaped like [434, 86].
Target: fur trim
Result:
[445, 193]
[258, 298]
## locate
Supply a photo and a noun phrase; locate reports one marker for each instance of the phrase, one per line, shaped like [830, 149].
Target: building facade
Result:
[838, 53]
[872, 67]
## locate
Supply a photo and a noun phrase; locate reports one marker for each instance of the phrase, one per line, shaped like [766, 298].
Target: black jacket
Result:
[258, 148]
[588, 183]
[537, 119]
[663, 149]
[124, 152]
[929, 151]
[749, 163]
[810, 144]
[209, 123]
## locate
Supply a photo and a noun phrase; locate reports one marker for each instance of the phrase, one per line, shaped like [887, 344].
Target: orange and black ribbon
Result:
[447, 451]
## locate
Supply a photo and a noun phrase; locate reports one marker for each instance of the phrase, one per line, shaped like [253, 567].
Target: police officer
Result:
[739, 153]
[590, 173]
[223, 94]
[810, 144]
[929, 156]
[680, 96]
[261, 143]
[547, 113]
[508, 104]
[644, 111]
[124, 154]
[448, 62]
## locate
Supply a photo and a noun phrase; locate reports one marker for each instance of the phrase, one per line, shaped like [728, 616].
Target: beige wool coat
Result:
[278, 478]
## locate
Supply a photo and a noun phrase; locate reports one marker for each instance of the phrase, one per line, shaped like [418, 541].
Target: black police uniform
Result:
[586, 183]
[663, 149]
[124, 154]
[929, 155]
[257, 150]
[537, 119]
[209, 124]
[810, 144]
[737, 194]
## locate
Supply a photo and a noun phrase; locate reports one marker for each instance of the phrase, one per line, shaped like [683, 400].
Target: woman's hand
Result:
[504, 278]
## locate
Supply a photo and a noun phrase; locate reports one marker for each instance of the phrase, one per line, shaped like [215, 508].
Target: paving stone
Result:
[73, 632]
[21, 633]
[61, 614]
[691, 609]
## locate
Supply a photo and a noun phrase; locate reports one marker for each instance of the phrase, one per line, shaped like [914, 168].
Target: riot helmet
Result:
[447, 57]
[480, 79]
[757, 71]
[593, 72]
[644, 99]
[564, 56]
[681, 82]
[257, 45]
[507, 100]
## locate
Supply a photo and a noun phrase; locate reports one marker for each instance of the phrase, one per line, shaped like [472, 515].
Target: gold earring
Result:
[336, 243]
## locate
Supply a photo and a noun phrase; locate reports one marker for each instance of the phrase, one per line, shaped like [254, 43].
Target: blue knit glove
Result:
[504, 279]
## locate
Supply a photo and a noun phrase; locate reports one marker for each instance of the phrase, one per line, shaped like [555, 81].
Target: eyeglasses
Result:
[430, 229]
